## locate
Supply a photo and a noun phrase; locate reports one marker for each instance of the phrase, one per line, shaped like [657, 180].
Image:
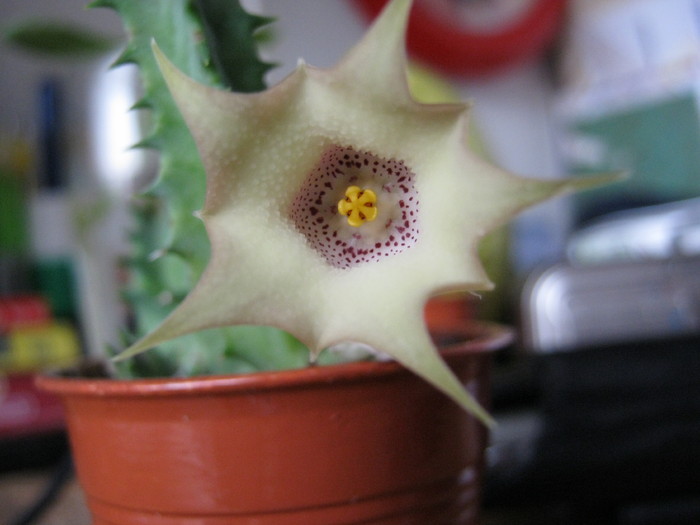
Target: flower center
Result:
[358, 205]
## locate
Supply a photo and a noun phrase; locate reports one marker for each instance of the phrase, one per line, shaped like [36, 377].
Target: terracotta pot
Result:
[355, 443]
[444, 312]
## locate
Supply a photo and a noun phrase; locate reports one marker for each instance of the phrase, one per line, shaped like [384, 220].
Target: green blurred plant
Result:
[54, 39]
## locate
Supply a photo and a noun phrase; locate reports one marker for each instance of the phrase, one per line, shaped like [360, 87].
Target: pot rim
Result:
[481, 338]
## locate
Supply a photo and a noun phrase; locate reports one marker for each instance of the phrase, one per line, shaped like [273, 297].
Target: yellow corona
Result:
[358, 205]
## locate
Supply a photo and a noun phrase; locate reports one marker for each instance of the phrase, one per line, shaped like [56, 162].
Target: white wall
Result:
[511, 109]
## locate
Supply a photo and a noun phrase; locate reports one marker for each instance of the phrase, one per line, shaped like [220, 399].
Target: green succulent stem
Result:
[214, 42]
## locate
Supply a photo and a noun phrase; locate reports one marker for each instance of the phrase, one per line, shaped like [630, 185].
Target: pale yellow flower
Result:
[337, 205]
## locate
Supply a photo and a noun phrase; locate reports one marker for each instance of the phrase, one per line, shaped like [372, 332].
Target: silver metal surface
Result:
[568, 307]
[653, 232]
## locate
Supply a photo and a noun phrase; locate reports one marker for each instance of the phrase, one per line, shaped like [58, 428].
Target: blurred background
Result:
[599, 399]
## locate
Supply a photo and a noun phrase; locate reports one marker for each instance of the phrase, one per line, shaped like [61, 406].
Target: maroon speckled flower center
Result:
[314, 210]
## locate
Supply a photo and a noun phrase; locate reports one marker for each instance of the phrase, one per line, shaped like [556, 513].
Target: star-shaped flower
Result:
[337, 205]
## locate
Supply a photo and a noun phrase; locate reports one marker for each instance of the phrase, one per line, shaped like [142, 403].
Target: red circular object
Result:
[455, 49]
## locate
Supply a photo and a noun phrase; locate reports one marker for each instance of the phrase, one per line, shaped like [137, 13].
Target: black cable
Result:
[62, 473]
